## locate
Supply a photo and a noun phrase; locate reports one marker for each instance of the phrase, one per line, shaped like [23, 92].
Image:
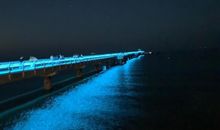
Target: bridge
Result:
[18, 70]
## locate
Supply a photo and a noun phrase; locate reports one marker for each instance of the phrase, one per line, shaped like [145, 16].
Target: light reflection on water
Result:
[97, 104]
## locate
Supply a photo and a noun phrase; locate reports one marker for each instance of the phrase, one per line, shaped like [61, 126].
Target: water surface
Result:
[177, 91]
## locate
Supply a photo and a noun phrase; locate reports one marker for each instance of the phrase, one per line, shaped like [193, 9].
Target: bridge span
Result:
[47, 68]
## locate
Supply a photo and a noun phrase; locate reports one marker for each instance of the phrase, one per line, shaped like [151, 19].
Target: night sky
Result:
[45, 27]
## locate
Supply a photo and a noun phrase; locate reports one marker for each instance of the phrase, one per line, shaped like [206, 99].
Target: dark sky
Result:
[44, 27]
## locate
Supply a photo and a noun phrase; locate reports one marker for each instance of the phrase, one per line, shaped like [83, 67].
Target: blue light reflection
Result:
[92, 105]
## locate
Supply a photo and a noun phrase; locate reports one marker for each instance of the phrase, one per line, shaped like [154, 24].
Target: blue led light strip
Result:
[27, 65]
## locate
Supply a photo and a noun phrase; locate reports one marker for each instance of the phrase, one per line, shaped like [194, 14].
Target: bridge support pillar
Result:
[108, 65]
[120, 61]
[47, 83]
[98, 67]
[79, 72]
[125, 59]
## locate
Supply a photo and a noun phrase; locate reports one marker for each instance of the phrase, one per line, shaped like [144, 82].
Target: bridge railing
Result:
[20, 66]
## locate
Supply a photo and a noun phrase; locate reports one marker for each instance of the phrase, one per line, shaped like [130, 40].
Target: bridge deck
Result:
[27, 65]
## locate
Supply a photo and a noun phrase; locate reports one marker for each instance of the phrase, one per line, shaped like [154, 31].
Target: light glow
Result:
[27, 65]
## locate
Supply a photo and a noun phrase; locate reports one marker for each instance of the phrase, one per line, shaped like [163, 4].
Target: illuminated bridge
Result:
[47, 68]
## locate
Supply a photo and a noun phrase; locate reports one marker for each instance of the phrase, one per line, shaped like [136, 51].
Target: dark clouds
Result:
[34, 27]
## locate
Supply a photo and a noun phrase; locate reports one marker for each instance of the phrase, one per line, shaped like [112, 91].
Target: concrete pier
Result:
[47, 83]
